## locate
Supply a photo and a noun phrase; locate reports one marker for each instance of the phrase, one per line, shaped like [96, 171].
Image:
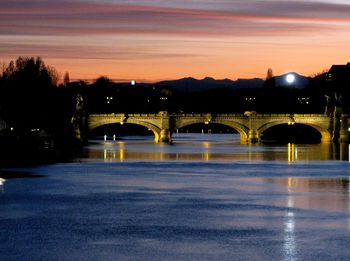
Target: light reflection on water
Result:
[211, 147]
[307, 193]
[322, 195]
[206, 197]
[290, 246]
[2, 182]
[327, 193]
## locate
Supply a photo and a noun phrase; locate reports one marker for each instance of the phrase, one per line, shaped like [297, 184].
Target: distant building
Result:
[339, 73]
[338, 83]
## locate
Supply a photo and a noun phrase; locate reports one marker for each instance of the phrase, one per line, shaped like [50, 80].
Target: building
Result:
[339, 73]
[338, 87]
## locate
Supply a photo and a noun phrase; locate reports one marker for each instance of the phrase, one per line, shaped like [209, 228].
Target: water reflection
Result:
[330, 195]
[2, 182]
[283, 210]
[326, 193]
[292, 152]
[341, 151]
[289, 231]
[194, 147]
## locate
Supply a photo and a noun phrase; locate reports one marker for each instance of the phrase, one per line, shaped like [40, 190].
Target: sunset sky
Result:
[151, 40]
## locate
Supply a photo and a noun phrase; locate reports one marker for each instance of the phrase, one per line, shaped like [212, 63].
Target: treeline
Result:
[31, 98]
[37, 113]
[105, 96]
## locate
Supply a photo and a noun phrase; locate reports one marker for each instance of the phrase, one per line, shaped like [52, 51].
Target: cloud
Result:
[61, 48]
[41, 17]
[158, 38]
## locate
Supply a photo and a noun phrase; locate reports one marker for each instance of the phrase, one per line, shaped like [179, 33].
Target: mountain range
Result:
[190, 84]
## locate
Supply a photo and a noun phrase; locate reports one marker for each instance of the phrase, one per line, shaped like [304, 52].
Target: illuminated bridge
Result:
[249, 125]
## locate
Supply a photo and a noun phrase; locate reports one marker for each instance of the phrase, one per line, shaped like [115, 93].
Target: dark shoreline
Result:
[20, 151]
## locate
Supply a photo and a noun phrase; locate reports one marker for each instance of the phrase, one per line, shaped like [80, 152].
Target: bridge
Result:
[249, 125]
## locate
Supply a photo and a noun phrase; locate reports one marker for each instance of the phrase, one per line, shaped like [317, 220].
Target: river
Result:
[206, 197]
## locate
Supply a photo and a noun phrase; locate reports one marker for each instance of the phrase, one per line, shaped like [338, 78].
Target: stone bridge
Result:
[249, 125]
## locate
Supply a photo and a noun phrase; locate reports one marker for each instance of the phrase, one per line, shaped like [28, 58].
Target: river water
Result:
[206, 197]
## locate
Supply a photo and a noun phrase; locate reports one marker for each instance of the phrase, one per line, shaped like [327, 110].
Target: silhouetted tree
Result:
[27, 92]
[269, 74]
[319, 74]
[30, 72]
[3, 68]
[66, 79]
[54, 74]
[103, 81]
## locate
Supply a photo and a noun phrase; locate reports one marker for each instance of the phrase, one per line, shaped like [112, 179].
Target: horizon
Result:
[165, 80]
[187, 77]
[150, 41]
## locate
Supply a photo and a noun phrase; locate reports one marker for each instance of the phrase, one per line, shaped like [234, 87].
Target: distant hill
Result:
[192, 84]
[300, 82]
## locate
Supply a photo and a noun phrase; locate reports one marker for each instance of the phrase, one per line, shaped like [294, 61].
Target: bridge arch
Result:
[325, 134]
[150, 126]
[249, 128]
[240, 128]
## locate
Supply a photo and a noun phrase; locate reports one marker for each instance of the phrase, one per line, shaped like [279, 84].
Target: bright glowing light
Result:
[133, 82]
[290, 78]
[2, 181]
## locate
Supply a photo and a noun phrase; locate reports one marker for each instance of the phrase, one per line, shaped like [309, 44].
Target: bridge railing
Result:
[210, 114]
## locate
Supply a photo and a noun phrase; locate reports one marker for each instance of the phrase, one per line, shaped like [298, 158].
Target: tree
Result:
[9, 70]
[3, 68]
[54, 75]
[30, 72]
[269, 74]
[320, 73]
[103, 81]
[66, 79]
[26, 91]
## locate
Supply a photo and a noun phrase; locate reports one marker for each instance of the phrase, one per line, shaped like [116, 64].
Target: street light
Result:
[109, 100]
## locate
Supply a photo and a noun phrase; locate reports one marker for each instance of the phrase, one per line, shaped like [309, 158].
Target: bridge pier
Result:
[344, 132]
[253, 136]
[341, 128]
[335, 128]
[165, 136]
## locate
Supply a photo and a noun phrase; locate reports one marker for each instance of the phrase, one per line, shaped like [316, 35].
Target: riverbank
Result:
[22, 149]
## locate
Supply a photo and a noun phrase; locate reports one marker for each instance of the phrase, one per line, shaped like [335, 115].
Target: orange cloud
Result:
[131, 39]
